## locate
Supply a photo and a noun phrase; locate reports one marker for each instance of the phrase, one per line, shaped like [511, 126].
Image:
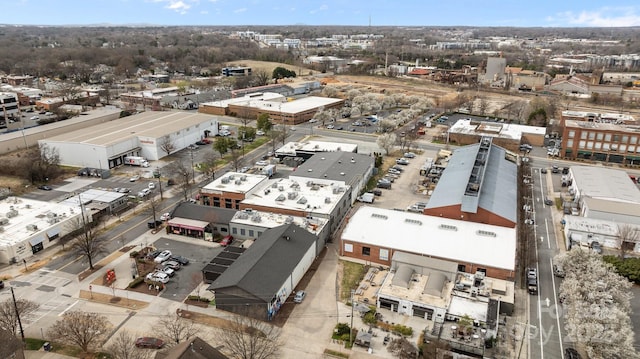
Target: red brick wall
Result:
[288, 212]
[374, 257]
[483, 216]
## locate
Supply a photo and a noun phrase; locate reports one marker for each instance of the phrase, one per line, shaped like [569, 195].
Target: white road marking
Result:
[69, 307]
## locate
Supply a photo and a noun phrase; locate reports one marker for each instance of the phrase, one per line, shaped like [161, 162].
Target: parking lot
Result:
[187, 278]
[403, 192]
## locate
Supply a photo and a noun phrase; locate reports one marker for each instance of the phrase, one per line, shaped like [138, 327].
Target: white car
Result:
[331, 127]
[169, 271]
[134, 178]
[152, 185]
[313, 120]
[260, 133]
[262, 163]
[161, 277]
[165, 216]
[163, 256]
[144, 192]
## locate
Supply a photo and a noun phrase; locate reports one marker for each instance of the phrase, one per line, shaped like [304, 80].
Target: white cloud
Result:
[178, 6]
[602, 17]
[322, 7]
[240, 10]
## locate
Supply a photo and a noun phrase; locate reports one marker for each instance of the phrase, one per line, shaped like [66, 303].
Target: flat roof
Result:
[272, 97]
[234, 182]
[605, 183]
[153, 124]
[97, 195]
[347, 167]
[31, 212]
[276, 102]
[602, 126]
[444, 238]
[593, 225]
[415, 291]
[606, 116]
[296, 195]
[290, 148]
[495, 129]
[273, 220]
[466, 306]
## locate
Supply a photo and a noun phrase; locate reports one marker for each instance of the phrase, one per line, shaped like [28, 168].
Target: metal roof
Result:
[347, 167]
[475, 179]
[263, 268]
[605, 183]
[203, 213]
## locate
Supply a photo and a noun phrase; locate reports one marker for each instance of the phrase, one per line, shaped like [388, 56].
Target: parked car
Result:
[123, 190]
[163, 256]
[134, 178]
[313, 120]
[384, 184]
[45, 188]
[182, 260]
[160, 276]
[200, 143]
[244, 169]
[144, 192]
[409, 155]
[172, 263]
[548, 201]
[151, 185]
[376, 192]
[153, 254]
[154, 224]
[299, 297]
[169, 271]
[402, 161]
[260, 133]
[331, 127]
[226, 241]
[165, 216]
[543, 170]
[595, 246]
[149, 343]
[555, 169]
[532, 272]
[417, 207]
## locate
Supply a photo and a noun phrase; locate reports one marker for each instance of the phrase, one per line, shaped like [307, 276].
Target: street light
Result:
[159, 183]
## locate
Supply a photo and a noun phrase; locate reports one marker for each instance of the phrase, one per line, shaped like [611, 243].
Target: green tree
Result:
[537, 118]
[281, 72]
[264, 123]
[246, 132]
[221, 145]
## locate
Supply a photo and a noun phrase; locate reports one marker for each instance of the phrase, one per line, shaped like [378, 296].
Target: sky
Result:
[518, 13]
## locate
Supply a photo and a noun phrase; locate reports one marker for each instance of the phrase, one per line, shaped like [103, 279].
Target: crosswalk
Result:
[45, 277]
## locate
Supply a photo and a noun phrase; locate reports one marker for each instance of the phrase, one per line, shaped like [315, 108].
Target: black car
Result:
[570, 353]
[376, 192]
[154, 254]
[45, 188]
[555, 169]
[182, 260]
[151, 224]
[548, 201]
[1, 284]
[543, 170]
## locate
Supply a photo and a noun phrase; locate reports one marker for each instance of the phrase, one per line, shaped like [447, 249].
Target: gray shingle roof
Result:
[203, 213]
[264, 266]
[339, 166]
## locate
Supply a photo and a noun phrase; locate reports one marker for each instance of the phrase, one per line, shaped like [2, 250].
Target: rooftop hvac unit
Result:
[281, 188]
[336, 190]
[4, 221]
[315, 187]
[52, 220]
[243, 215]
[256, 218]
[281, 198]
[274, 185]
[327, 200]
[302, 200]
[309, 183]
[238, 182]
[27, 206]
[292, 195]
[479, 275]
[12, 213]
[288, 220]
[295, 185]
[32, 227]
[243, 178]
[267, 191]
[224, 180]
[231, 177]
[51, 215]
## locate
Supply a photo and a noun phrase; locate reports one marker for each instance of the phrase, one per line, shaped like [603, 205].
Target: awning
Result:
[36, 240]
[584, 152]
[53, 232]
[188, 223]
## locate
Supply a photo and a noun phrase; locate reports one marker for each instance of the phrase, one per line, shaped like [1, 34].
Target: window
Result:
[227, 203]
[634, 140]
[616, 138]
[598, 145]
[600, 136]
[572, 134]
[569, 143]
[623, 148]
[251, 233]
[632, 149]
[234, 230]
[482, 270]
[462, 268]
[366, 251]
[348, 247]
[605, 147]
[583, 135]
[384, 254]
[223, 229]
[582, 144]
[259, 234]
[592, 135]
[625, 138]
[242, 231]
[216, 201]
[614, 147]
[607, 137]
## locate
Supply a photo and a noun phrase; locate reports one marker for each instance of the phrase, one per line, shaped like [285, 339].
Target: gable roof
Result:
[497, 190]
[264, 266]
[203, 213]
[195, 348]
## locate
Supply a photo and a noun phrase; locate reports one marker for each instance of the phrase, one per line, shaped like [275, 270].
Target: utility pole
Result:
[351, 327]
[160, 183]
[15, 305]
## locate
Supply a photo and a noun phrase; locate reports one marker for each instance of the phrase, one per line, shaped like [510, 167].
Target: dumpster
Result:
[47, 347]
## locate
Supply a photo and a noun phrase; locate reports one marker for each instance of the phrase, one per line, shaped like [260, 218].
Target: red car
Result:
[226, 241]
[150, 343]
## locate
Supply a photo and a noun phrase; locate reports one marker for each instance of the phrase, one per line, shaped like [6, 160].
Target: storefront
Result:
[188, 227]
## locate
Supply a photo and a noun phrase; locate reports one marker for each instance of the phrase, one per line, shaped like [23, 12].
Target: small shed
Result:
[363, 339]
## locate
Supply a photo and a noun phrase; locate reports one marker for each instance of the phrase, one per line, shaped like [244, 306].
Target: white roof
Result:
[461, 241]
[97, 195]
[316, 146]
[593, 225]
[234, 182]
[473, 308]
[31, 212]
[273, 220]
[271, 97]
[605, 183]
[318, 198]
[495, 129]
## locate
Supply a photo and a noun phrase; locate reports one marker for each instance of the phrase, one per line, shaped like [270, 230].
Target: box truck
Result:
[136, 161]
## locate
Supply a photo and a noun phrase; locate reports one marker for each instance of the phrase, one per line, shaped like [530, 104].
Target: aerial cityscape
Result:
[207, 179]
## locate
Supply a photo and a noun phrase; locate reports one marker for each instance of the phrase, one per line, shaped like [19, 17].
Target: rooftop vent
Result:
[274, 185]
[315, 187]
[310, 170]
[413, 221]
[4, 221]
[302, 200]
[448, 227]
[292, 195]
[281, 198]
[380, 216]
[243, 178]
[281, 188]
[327, 200]
[288, 220]
[242, 215]
[256, 218]
[32, 227]
[238, 182]
[267, 191]
[485, 233]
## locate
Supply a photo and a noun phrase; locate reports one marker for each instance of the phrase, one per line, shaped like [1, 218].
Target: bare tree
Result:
[483, 105]
[123, 347]
[208, 164]
[176, 329]
[42, 163]
[11, 345]
[249, 338]
[84, 329]
[8, 317]
[68, 91]
[183, 173]
[402, 348]
[86, 241]
[386, 142]
[628, 238]
[167, 145]
[261, 77]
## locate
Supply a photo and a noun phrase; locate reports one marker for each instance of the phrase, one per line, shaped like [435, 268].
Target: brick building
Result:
[597, 141]
[230, 189]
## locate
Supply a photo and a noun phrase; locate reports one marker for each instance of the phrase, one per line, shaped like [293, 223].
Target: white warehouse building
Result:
[105, 145]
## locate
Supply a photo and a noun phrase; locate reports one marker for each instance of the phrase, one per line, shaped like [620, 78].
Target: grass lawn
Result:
[352, 273]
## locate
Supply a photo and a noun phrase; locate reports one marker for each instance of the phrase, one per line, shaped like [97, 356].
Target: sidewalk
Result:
[32, 354]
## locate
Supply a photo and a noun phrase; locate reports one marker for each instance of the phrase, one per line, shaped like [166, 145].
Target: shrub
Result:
[133, 254]
[370, 317]
[404, 330]
[134, 283]
[627, 267]
[341, 329]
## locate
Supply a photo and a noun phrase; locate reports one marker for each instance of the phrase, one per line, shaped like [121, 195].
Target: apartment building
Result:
[608, 142]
